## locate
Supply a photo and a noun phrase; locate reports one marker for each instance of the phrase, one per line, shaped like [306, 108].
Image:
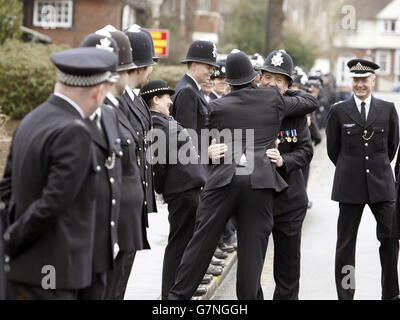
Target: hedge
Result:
[27, 76]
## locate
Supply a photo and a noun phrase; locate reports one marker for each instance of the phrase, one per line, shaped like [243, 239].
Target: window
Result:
[383, 59]
[128, 17]
[53, 14]
[342, 71]
[389, 26]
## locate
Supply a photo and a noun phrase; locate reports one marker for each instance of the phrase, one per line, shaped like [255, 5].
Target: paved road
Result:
[319, 241]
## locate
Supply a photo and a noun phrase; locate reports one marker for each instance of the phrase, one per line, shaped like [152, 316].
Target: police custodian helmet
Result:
[239, 70]
[203, 52]
[279, 62]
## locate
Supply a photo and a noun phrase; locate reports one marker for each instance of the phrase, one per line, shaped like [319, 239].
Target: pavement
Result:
[145, 280]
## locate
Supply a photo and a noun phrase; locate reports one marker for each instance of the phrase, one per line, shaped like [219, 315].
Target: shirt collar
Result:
[98, 113]
[197, 84]
[113, 100]
[132, 93]
[359, 101]
[71, 102]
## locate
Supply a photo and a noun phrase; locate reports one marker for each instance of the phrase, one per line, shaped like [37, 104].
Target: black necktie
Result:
[363, 113]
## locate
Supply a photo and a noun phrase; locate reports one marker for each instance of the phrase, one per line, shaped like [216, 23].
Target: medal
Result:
[281, 137]
[288, 138]
[294, 135]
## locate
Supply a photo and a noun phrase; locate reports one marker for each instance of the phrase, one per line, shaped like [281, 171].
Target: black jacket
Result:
[173, 177]
[260, 112]
[140, 120]
[295, 155]
[362, 155]
[49, 189]
[108, 188]
[190, 107]
[132, 219]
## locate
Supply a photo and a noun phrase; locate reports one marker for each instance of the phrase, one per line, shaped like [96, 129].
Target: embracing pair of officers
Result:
[77, 187]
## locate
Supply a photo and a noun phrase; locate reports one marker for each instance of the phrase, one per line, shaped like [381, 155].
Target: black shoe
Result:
[206, 279]
[217, 262]
[214, 270]
[226, 248]
[200, 291]
[391, 298]
[220, 254]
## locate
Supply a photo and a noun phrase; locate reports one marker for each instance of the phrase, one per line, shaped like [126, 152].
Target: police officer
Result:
[243, 183]
[180, 184]
[190, 106]
[51, 226]
[362, 138]
[136, 109]
[103, 126]
[221, 88]
[131, 225]
[295, 151]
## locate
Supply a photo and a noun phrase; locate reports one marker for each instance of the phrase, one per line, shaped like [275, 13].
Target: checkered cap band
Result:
[83, 81]
[360, 67]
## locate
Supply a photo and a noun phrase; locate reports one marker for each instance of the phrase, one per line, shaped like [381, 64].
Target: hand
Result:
[217, 151]
[275, 156]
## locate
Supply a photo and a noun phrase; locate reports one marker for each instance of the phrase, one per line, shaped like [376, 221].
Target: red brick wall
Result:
[88, 17]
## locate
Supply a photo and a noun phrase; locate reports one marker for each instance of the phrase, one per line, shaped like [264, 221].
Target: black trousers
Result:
[253, 212]
[97, 289]
[182, 209]
[347, 228]
[117, 279]
[23, 291]
[287, 244]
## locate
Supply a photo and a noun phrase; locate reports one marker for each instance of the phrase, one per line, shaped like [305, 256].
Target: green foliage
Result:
[171, 74]
[11, 14]
[245, 28]
[304, 53]
[27, 76]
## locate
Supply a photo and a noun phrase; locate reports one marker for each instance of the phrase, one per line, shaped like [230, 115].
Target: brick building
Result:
[69, 21]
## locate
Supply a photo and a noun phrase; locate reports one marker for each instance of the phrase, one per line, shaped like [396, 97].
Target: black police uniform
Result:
[190, 106]
[290, 207]
[138, 113]
[106, 138]
[362, 152]
[53, 224]
[180, 186]
[249, 197]
[132, 221]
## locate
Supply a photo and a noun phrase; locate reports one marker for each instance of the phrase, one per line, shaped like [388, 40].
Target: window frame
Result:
[57, 25]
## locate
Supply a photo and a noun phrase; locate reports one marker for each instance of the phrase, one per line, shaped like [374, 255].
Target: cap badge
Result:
[105, 44]
[277, 59]
[223, 70]
[134, 28]
[214, 53]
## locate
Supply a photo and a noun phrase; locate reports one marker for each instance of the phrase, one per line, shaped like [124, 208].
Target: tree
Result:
[11, 13]
[303, 52]
[245, 27]
[274, 26]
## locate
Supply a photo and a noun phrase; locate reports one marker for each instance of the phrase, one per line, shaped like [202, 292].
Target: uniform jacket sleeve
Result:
[160, 169]
[185, 106]
[70, 160]
[298, 103]
[303, 151]
[5, 191]
[333, 135]
[393, 138]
